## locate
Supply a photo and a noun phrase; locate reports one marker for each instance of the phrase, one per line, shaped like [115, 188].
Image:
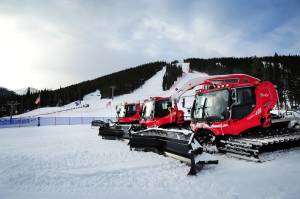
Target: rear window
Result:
[245, 96]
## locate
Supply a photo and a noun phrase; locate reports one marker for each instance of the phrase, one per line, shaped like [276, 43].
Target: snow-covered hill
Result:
[106, 107]
[23, 91]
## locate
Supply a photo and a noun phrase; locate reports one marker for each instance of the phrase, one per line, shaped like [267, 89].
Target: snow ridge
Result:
[23, 91]
[106, 107]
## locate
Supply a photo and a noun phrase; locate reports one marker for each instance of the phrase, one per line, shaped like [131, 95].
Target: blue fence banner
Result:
[47, 121]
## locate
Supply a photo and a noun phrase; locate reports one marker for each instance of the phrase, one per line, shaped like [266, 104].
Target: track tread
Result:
[250, 148]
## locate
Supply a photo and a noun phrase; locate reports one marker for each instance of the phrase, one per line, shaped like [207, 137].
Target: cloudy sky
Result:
[47, 44]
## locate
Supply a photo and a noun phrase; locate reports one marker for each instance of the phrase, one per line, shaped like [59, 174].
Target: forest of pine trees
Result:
[173, 71]
[283, 71]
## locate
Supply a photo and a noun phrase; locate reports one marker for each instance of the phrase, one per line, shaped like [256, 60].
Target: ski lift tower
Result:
[13, 105]
[3, 109]
[112, 91]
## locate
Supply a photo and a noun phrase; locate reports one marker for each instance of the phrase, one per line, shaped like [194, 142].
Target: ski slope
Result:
[73, 162]
[106, 107]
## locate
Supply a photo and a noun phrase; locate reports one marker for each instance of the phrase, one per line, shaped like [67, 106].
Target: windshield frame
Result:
[121, 111]
[211, 118]
[150, 111]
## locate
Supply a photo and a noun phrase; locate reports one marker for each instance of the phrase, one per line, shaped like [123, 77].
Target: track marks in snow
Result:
[63, 161]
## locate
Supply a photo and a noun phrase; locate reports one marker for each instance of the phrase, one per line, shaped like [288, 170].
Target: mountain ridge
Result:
[24, 91]
[279, 69]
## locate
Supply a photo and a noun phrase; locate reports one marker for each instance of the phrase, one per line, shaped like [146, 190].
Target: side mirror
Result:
[226, 113]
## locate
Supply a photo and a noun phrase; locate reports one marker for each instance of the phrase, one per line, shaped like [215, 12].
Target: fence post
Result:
[69, 121]
[39, 122]
[54, 121]
[19, 122]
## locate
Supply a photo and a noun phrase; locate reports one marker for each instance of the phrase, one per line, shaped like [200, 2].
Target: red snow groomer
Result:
[232, 112]
[161, 112]
[163, 129]
[127, 115]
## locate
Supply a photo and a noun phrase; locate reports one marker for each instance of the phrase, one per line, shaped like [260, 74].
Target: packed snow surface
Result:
[73, 162]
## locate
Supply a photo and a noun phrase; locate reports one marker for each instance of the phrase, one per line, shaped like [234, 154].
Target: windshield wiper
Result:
[205, 115]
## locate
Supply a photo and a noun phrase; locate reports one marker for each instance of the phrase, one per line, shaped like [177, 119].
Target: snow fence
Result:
[47, 121]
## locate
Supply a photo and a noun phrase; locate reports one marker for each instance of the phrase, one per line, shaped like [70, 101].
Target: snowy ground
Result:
[73, 162]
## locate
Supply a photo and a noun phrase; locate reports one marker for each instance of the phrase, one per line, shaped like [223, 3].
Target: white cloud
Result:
[73, 41]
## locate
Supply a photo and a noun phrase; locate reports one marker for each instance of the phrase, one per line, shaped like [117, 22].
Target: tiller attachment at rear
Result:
[179, 144]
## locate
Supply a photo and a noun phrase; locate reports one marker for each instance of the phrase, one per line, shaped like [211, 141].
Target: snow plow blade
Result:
[111, 131]
[178, 144]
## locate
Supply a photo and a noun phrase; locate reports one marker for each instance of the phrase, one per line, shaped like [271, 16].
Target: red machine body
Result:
[232, 112]
[233, 104]
[161, 112]
[128, 113]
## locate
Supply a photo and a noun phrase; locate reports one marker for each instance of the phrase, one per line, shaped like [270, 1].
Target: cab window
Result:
[244, 102]
[162, 108]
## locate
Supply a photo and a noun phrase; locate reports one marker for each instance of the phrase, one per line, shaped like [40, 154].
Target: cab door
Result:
[243, 109]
